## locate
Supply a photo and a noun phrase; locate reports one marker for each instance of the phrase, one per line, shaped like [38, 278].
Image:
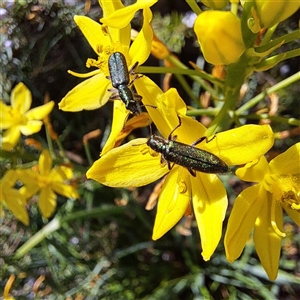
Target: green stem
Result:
[50, 263]
[62, 150]
[280, 85]
[52, 226]
[194, 6]
[203, 111]
[270, 62]
[278, 119]
[292, 36]
[236, 74]
[268, 35]
[88, 152]
[57, 222]
[199, 80]
[234, 8]
[186, 71]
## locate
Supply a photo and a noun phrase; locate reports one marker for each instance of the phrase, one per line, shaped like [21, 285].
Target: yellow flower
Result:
[271, 13]
[19, 118]
[220, 36]
[93, 92]
[46, 181]
[260, 207]
[135, 164]
[12, 197]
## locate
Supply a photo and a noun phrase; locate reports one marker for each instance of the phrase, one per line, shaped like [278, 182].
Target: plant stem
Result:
[236, 75]
[280, 85]
[194, 6]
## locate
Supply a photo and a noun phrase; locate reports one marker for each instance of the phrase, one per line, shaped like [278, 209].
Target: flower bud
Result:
[215, 4]
[220, 37]
[272, 12]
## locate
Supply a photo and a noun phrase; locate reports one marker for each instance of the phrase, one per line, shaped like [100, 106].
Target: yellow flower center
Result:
[104, 53]
[99, 63]
[285, 190]
[18, 118]
[43, 181]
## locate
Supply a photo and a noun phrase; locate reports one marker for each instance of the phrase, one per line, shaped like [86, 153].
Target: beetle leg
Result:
[192, 172]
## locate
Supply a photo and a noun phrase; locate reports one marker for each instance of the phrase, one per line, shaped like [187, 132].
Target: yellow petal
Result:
[90, 94]
[267, 241]
[110, 6]
[45, 163]
[220, 36]
[288, 162]
[60, 182]
[241, 221]
[122, 17]
[156, 103]
[65, 190]
[241, 145]
[16, 203]
[28, 176]
[31, 127]
[140, 49]
[121, 36]
[47, 202]
[271, 14]
[169, 106]
[6, 116]
[209, 205]
[163, 108]
[254, 171]
[9, 179]
[68, 172]
[127, 165]
[60, 174]
[13, 199]
[141, 120]
[30, 180]
[194, 129]
[93, 32]
[120, 114]
[173, 201]
[294, 214]
[10, 138]
[21, 98]
[40, 112]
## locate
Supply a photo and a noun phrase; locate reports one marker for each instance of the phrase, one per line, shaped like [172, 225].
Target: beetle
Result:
[119, 76]
[187, 156]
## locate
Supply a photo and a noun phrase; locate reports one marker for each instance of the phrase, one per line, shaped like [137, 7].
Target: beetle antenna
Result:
[150, 127]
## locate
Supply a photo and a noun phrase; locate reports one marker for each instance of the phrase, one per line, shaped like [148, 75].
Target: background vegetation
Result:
[103, 250]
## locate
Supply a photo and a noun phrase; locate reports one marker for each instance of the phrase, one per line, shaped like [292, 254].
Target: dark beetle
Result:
[119, 76]
[187, 156]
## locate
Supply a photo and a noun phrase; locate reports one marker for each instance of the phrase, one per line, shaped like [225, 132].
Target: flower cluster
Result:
[221, 37]
[260, 207]
[224, 39]
[18, 184]
[184, 146]
[19, 118]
